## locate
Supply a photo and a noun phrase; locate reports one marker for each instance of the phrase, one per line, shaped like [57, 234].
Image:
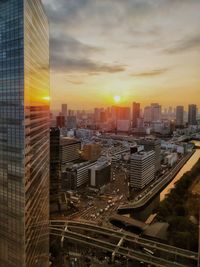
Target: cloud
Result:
[191, 43]
[69, 54]
[66, 64]
[150, 73]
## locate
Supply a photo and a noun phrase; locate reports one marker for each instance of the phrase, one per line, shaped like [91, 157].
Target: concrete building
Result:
[60, 121]
[147, 114]
[179, 116]
[100, 174]
[70, 150]
[91, 151]
[192, 114]
[24, 134]
[55, 166]
[142, 169]
[76, 175]
[155, 112]
[152, 144]
[64, 110]
[71, 122]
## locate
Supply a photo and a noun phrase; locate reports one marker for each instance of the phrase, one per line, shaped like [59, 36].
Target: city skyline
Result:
[143, 51]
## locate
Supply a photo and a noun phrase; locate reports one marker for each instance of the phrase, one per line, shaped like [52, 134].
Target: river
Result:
[187, 167]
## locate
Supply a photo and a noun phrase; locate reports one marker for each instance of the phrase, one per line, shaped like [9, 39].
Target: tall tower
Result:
[192, 114]
[135, 113]
[179, 115]
[24, 134]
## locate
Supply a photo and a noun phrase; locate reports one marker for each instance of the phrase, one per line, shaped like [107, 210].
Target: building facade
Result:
[192, 114]
[179, 115]
[135, 113]
[142, 170]
[24, 134]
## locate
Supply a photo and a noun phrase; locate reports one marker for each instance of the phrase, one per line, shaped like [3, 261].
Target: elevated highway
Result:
[157, 187]
[123, 243]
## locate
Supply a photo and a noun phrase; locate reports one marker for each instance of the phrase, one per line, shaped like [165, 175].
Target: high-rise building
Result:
[24, 134]
[60, 121]
[155, 145]
[192, 114]
[142, 170]
[155, 112]
[179, 115]
[55, 164]
[135, 113]
[71, 122]
[123, 119]
[147, 114]
[64, 110]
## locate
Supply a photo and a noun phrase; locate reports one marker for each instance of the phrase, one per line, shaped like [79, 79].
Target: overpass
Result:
[158, 185]
[123, 243]
[129, 222]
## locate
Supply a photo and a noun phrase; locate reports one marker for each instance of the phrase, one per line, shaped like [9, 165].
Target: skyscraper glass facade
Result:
[24, 134]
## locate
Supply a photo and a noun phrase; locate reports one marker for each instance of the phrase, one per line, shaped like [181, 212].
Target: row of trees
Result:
[175, 210]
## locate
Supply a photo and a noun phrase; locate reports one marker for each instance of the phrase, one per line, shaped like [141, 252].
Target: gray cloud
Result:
[192, 43]
[65, 64]
[69, 54]
[150, 73]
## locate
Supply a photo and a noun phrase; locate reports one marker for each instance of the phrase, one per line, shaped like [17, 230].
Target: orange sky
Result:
[143, 50]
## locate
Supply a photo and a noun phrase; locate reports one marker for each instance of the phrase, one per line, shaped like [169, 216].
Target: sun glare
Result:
[117, 98]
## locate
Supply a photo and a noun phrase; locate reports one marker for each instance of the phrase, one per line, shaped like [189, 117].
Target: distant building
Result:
[155, 112]
[71, 122]
[70, 149]
[147, 114]
[64, 110]
[142, 169]
[123, 119]
[100, 174]
[192, 114]
[179, 116]
[155, 145]
[135, 113]
[91, 152]
[60, 121]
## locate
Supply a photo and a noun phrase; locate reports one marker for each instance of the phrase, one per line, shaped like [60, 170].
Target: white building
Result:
[142, 170]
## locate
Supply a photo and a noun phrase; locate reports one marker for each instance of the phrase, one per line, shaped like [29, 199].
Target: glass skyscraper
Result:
[24, 134]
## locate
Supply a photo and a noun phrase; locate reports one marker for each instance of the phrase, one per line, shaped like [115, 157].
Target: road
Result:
[157, 186]
[110, 240]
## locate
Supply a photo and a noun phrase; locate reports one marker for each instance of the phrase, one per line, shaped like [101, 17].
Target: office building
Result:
[192, 114]
[147, 114]
[60, 121]
[76, 175]
[70, 150]
[91, 152]
[142, 169]
[71, 122]
[135, 113]
[55, 164]
[123, 119]
[100, 174]
[155, 112]
[64, 110]
[24, 134]
[155, 145]
[179, 116]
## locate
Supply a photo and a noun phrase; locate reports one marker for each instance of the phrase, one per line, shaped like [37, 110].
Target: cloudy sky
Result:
[142, 50]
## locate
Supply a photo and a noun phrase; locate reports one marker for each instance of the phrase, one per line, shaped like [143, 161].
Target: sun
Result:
[117, 98]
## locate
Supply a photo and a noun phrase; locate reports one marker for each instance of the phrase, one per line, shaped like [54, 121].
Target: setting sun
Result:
[117, 98]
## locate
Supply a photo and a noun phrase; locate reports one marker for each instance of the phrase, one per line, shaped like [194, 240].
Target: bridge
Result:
[158, 185]
[119, 242]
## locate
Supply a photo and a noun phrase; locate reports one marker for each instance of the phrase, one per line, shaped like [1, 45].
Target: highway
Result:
[158, 185]
[111, 240]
